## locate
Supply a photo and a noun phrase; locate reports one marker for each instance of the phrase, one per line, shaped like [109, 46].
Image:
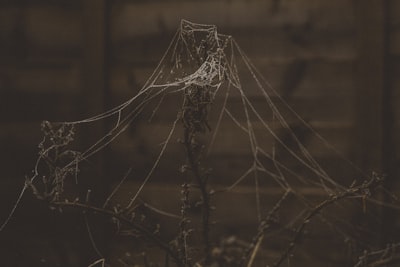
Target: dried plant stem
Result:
[264, 225]
[193, 159]
[360, 191]
[102, 261]
[384, 262]
[184, 232]
[255, 250]
[86, 207]
[381, 257]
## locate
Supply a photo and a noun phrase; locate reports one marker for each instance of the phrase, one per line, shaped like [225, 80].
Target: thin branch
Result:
[359, 191]
[102, 261]
[159, 211]
[386, 256]
[86, 207]
[264, 225]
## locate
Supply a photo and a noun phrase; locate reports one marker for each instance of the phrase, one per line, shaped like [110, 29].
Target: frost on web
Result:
[235, 136]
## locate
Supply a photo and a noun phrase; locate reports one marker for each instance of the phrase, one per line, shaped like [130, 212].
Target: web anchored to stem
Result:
[222, 105]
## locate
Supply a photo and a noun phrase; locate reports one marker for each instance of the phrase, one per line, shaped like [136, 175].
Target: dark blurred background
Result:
[336, 62]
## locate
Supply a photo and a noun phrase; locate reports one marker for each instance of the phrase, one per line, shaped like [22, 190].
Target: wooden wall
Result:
[336, 62]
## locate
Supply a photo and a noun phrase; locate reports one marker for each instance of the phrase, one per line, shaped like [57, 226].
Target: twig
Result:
[383, 262]
[159, 211]
[102, 261]
[265, 224]
[255, 250]
[86, 207]
[387, 256]
[359, 191]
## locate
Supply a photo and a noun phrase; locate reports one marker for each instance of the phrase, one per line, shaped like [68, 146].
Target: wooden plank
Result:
[71, 4]
[277, 44]
[9, 19]
[93, 101]
[16, 133]
[393, 13]
[94, 68]
[394, 46]
[371, 84]
[25, 106]
[392, 116]
[139, 18]
[374, 145]
[37, 79]
[33, 33]
[19, 142]
[270, 45]
[53, 26]
[95, 85]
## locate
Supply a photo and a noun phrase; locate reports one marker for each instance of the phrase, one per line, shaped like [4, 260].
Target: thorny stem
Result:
[384, 262]
[386, 256]
[184, 232]
[86, 207]
[189, 140]
[359, 191]
[265, 224]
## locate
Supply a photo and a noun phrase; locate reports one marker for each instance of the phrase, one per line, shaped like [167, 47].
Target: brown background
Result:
[336, 62]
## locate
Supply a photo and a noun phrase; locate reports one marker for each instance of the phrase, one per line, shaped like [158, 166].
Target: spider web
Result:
[216, 90]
